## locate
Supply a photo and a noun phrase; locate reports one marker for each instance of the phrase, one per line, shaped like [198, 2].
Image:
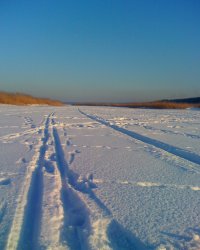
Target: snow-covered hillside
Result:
[99, 178]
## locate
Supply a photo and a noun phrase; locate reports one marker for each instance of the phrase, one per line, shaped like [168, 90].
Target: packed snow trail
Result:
[80, 230]
[76, 222]
[52, 216]
[187, 155]
[24, 230]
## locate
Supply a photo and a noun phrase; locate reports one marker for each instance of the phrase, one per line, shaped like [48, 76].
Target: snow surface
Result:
[99, 178]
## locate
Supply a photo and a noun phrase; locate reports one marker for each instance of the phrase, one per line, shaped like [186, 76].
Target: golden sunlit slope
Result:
[158, 105]
[24, 99]
[151, 105]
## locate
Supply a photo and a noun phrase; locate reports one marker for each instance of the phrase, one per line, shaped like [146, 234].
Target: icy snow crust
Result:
[99, 178]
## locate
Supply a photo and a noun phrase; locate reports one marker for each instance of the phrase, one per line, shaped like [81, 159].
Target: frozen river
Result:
[99, 178]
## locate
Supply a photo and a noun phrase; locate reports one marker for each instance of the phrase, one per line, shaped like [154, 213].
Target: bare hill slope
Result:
[24, 99]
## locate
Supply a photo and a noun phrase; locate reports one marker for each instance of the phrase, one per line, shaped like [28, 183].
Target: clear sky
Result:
[100, 50]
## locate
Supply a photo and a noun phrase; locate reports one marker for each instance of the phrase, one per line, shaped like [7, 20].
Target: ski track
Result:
[121, 121]
[53, 213]
[76, 227]
[23, 230]
[186, 155]
[88, 223]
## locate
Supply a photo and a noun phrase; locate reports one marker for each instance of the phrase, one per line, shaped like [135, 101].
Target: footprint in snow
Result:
[5, 182]
[49, 167]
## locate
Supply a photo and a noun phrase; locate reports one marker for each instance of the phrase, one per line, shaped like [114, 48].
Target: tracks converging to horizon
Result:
[58, 208]
[54, 204]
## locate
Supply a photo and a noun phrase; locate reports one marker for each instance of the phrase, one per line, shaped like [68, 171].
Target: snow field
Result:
[99, 178]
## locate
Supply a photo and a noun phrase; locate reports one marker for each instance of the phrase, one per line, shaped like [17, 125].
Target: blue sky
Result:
[100, 50]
